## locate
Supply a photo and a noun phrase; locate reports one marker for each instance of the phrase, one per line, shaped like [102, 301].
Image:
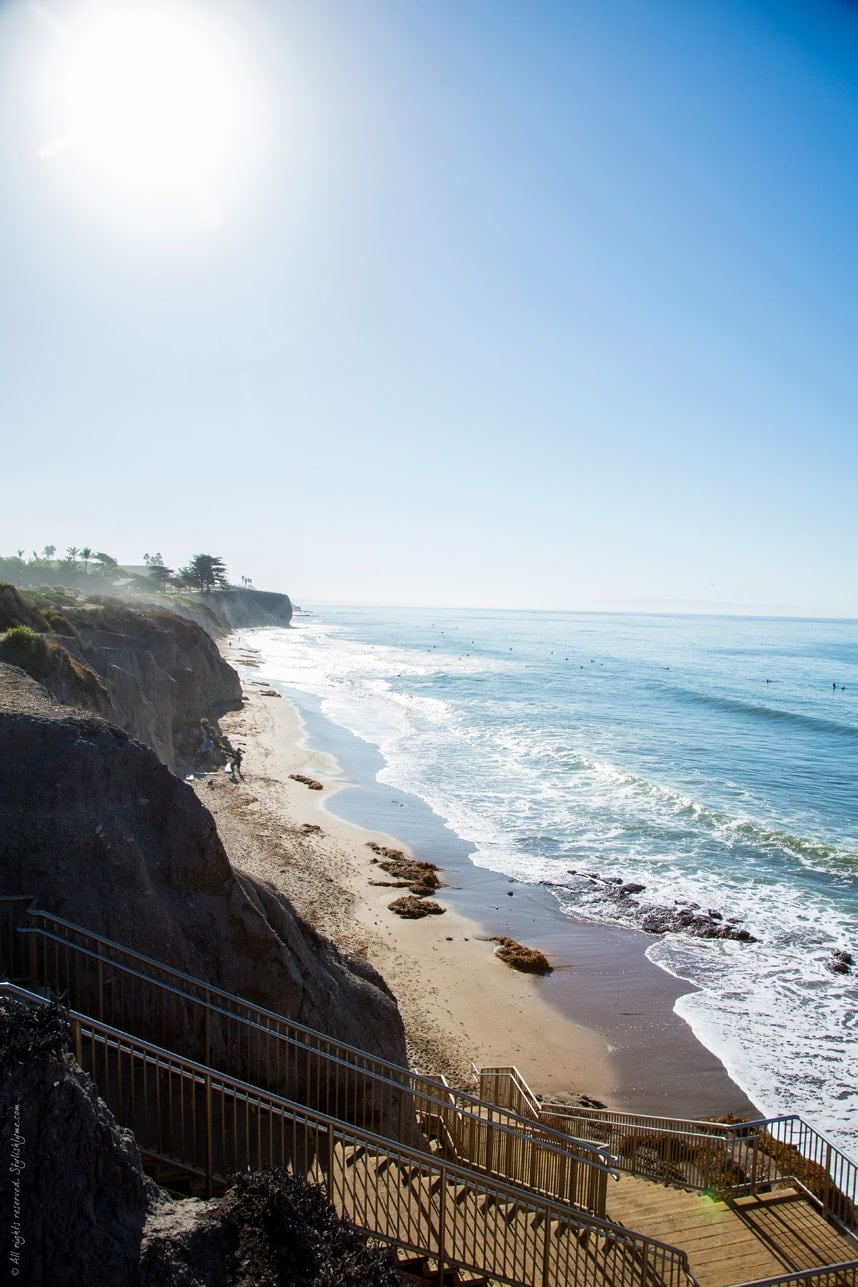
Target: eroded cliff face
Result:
[163, 672]
[244, 608]
[154, 671]
[99, 831]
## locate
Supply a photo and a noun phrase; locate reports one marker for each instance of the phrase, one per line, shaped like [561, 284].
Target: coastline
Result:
[601, 1025]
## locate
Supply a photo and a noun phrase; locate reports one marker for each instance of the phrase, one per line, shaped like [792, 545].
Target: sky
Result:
[504, 303]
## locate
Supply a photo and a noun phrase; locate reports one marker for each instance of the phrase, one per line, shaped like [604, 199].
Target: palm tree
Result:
[86, 555]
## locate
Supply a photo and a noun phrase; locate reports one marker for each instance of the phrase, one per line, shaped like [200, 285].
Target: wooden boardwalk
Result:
[731, 1242]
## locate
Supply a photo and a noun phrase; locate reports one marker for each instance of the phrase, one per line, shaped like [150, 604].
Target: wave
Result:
[544, 771]
[735, 706]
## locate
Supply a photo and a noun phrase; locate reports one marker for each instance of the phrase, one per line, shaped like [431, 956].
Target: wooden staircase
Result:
[740, 1240]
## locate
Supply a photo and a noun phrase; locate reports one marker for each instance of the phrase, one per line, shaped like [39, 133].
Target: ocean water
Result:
[713, 760]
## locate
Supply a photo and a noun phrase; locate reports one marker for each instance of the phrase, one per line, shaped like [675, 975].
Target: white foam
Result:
[537, 796]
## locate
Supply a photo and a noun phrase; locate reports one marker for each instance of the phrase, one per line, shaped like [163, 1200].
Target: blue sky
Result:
[510, 304]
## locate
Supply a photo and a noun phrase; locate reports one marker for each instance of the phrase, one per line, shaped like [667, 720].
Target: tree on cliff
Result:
[158, 570]
[204, 572]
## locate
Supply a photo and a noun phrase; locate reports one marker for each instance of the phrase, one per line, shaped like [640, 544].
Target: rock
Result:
[630, 887]
[840, 962]
[80, 1190]
[233, 609]
[666, 920]
[270, 1227]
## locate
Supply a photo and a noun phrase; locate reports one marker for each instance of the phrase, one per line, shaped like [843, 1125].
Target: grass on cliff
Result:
[21, 646]
[45, 659]
[44, 611]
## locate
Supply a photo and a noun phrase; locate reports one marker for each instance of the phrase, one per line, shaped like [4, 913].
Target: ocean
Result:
[711, 760]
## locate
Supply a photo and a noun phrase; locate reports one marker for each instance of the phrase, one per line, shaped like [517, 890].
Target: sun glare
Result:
[150, 95]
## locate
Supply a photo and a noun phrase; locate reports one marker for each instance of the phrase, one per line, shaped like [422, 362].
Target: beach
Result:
[601, 1025]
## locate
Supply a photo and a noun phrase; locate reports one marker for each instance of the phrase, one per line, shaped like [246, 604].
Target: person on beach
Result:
[235, 766]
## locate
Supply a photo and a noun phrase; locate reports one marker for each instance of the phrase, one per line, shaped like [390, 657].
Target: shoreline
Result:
[601, 1025]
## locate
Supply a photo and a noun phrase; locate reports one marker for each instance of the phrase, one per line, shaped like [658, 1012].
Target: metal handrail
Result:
[211, 1125]
[843, 1275]
[783, 1149]
[385, 1096]
[259, 1014]
[510, 1089]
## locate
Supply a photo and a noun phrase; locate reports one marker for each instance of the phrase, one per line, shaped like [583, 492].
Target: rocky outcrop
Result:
[271, 1229]
[220, 611]
[619, 899]
[77, 1196]
[99, 831]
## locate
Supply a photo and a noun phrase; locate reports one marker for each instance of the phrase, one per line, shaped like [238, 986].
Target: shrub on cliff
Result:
[15, 610]
[58, 623]
[44, 658]
[21, 646]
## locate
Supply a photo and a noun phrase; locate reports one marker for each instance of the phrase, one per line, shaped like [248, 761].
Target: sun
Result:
[150, 95]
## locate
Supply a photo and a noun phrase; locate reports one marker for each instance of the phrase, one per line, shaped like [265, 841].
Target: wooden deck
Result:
[731, 1242]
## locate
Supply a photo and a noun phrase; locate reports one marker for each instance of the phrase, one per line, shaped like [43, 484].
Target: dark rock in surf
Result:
[840, 962]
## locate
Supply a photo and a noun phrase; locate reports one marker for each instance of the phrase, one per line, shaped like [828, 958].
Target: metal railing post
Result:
[329, 1169]
[209, 1138]
[546, 1253]
[442, 1224]
[755, 1166]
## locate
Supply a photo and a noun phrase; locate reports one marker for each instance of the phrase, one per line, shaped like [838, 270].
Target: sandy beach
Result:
[600, 1025]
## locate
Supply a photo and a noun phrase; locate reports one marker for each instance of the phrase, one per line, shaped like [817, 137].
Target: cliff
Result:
[99, 831]
[154, 673]
[246, 608]
[163, 672]
[220, 611]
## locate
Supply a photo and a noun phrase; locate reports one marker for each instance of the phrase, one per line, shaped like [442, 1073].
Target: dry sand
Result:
[460, 1004]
